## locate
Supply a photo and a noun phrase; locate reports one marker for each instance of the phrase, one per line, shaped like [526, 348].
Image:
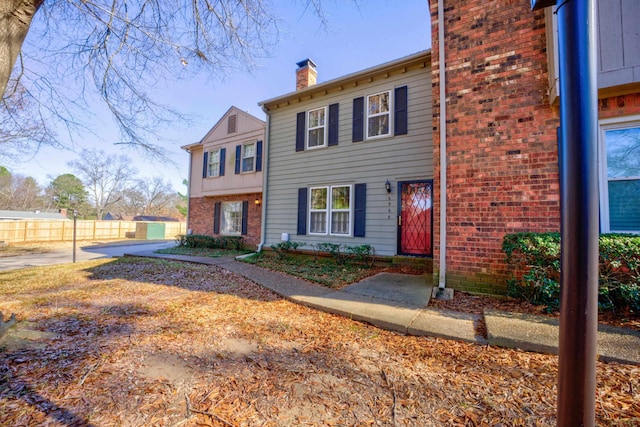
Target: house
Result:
[225, 178]
[350, 161]
[46, 215]
[495, 120]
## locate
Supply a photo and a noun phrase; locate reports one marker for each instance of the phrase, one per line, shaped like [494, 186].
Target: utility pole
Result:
[579, 210]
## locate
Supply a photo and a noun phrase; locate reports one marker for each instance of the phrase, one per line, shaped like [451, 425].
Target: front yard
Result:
[151, 342]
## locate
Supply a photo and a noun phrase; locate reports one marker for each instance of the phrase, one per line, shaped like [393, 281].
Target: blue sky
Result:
[359, 34]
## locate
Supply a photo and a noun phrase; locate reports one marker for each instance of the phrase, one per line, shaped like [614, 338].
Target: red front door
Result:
[415, 218]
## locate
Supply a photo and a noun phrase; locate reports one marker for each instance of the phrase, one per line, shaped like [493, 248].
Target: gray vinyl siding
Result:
[403, 158]
[619, 42]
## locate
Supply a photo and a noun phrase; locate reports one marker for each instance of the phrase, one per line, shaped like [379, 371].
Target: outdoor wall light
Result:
[257, 202]
[387, 186]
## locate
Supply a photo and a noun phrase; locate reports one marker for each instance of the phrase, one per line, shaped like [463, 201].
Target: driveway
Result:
[85, 253]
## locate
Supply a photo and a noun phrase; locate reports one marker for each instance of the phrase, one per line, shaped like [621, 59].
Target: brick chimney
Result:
[306, 74]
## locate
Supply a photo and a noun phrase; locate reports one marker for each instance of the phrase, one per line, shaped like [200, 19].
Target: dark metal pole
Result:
[75, 217]
[579, 213]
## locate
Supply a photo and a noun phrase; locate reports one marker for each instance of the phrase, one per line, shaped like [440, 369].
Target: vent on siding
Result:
[231, 123]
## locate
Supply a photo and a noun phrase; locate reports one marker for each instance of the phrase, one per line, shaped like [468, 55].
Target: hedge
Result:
[204, 241]
[533, 261]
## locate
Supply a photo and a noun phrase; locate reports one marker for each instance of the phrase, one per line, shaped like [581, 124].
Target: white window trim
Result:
[605, 125]
[222, 220]
[217, 169]
[242, 157]
[329, 211]
[389, 113]
[309, 128]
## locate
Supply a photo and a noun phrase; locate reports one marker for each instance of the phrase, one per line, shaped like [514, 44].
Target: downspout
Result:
[443, 149]
[265, 174]
[189, 190]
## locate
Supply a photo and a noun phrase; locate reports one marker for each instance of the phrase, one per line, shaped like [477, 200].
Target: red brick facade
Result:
[200, 219]
[502, 172]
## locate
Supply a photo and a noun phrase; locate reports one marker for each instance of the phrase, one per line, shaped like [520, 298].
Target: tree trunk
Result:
[15, 20]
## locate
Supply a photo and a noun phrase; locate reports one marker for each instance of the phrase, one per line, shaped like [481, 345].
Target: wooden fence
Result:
[62, 230]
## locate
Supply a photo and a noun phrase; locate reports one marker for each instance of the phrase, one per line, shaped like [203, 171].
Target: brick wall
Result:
[619, 106]
[502, 172]
[200, 219]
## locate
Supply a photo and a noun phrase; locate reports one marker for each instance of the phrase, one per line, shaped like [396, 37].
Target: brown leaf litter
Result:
[139, 342]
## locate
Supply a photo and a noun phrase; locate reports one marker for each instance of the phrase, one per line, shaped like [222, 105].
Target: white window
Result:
[378, 114]
[316, 128]
[330, 210]
[231, 221]
[248, 157]
[619, 161]
[213, 168]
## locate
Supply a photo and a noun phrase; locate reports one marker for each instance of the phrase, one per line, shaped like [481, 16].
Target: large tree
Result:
[67, 192]
[118, 50]
[106, 178]
[19, 192]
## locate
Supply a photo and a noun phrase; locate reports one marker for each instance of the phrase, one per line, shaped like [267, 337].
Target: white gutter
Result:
[443, 149]
[265, 174]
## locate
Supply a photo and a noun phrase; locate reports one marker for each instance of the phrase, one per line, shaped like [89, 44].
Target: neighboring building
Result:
[33, 215]
[225, 179]
[500, 125]
[349, 161]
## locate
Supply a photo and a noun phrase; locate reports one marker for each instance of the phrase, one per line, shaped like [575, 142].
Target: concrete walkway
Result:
[398, 302]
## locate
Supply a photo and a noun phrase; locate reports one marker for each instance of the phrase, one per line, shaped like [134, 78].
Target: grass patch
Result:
[324, 271]
[204, 252]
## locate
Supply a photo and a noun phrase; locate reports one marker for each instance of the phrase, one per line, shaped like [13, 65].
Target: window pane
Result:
[316, 118]
[340, 223]
[318, 222]
[318, 198]
[231, 218]
[248, 150]
[624, 205]
[378, 125]
[316, 137]
[247, 164]
[214, 162]
[623, 152]
[378, 103]
[340, 197]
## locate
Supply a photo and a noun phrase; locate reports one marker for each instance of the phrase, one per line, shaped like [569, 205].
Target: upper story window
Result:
[213, 163]
[378, 114]
[620, 175]
[317, 127]
[248, 157]
[316, 124]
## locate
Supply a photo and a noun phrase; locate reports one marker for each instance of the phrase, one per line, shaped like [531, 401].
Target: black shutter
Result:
[302, 211]
[300, 130]
[238, 158]
[245, 217]
[358, 120]
[205, 160]
[223, 156]
[258, 156]
[334, 113]
[400, 117]
[360, 210]
[216, 217]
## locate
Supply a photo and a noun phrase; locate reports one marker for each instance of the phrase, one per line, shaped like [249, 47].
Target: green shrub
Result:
[210, 242]
[534, 262]
[341, 254]
[284, 249]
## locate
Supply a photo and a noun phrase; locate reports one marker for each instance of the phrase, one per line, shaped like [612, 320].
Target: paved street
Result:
[106, 250]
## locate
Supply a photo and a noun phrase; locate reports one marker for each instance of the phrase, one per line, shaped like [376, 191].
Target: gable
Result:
[234, 123]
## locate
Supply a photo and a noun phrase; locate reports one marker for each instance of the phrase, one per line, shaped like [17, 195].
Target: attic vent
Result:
[231, 123]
